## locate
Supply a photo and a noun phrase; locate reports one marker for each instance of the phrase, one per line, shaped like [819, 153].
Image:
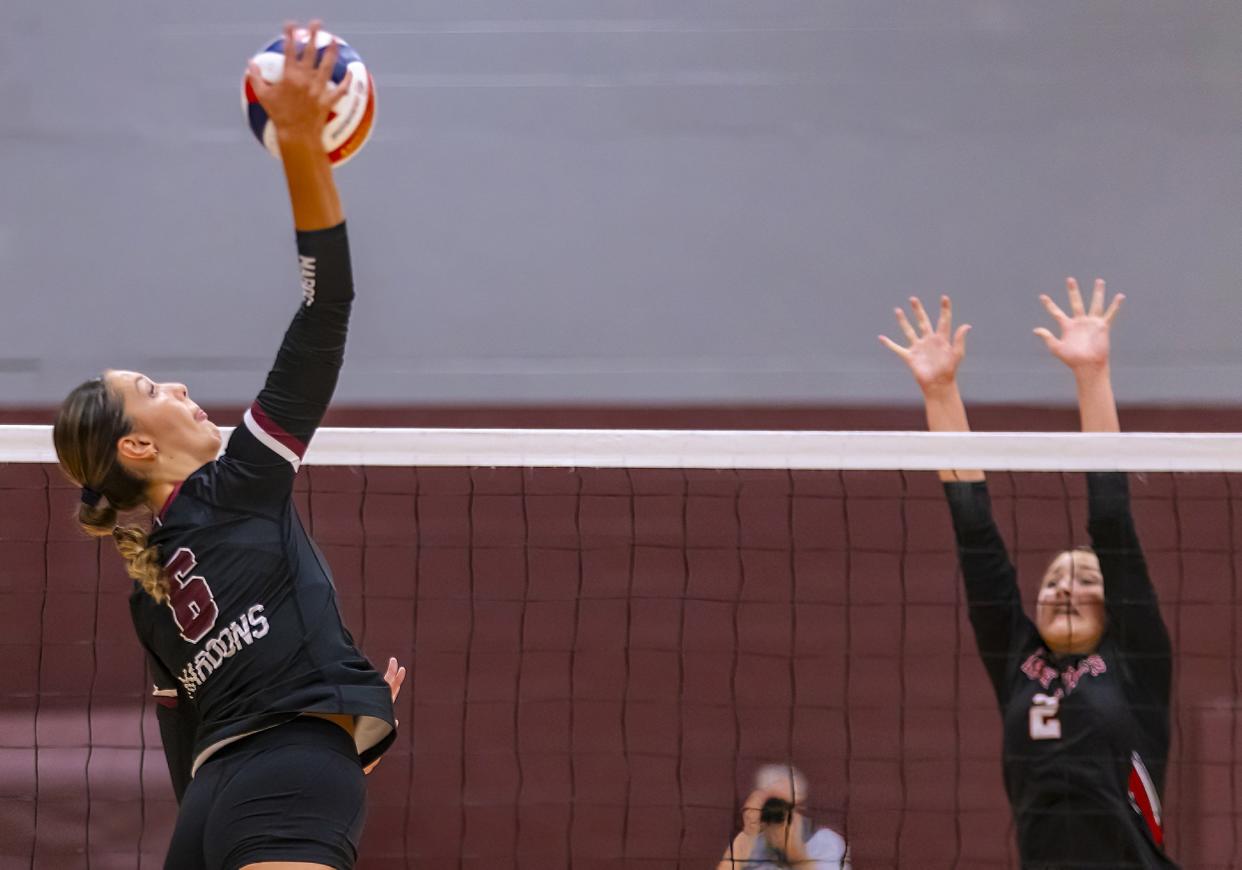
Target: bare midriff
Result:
[344, 720]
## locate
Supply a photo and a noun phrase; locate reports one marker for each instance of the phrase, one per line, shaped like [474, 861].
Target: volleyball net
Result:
[609, 632]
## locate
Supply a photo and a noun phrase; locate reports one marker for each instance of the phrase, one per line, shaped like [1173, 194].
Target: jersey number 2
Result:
[189, 597]
[1044, 722]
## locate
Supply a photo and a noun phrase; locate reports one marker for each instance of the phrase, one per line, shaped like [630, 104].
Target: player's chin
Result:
[1057, 630]
[210, 438]
[1086, 631]
[1067, 634]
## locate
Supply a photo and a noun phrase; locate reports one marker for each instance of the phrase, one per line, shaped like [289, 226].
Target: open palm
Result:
[934, 353]
[1084, 340]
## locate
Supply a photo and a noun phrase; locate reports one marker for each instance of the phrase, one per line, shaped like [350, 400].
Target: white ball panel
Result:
[271, 65]
[349, 110]
[269, 139]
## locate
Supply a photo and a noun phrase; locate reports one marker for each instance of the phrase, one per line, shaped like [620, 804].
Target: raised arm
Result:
[1085, 348]
[933, 356]
[996, 612]
[280, 423]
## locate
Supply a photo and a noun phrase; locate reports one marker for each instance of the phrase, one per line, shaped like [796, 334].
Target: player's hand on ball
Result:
[934, 353]
[298, 104]
[1084, 343]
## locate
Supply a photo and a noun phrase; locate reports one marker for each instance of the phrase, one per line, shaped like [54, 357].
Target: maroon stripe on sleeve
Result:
[272, 428]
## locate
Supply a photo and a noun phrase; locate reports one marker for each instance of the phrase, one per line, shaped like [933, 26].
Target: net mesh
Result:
[601, 658]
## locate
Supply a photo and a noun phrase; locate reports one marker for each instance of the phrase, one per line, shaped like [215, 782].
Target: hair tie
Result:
[90, 497]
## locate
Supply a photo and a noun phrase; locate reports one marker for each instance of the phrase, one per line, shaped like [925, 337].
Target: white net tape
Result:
[657, 448]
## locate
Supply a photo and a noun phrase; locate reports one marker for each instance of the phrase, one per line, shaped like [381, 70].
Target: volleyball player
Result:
[269, 710]
[1084, 688]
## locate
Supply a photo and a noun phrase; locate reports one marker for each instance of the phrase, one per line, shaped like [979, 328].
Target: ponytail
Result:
[90, 421]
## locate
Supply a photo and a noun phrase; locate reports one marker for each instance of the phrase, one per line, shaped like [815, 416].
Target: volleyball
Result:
[349, 123]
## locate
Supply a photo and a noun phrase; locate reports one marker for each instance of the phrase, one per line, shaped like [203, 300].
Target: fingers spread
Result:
[291, 53]
[945, 324]
[920, 315]
[311, 51]
[1114, 307]
[1057, 314]
[959, 338]
[327, 63]
[906, 328]
[1075, 298]
[1097, 298]
[335, 93]
[893, 346]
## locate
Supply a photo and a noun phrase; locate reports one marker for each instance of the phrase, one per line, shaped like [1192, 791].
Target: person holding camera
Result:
[776, 834]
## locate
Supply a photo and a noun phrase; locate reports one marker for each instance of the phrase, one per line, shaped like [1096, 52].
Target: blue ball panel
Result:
[257, 119]
[347, 54]
[338, 71]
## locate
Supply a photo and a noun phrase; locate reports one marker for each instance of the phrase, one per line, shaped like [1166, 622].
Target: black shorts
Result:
[295, 792]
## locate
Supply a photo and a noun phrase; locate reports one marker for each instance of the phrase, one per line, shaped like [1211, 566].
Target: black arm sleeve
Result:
[1134, 619]
[268, 448]
[995, 605]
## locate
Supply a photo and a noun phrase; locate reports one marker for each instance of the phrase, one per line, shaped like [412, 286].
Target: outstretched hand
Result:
[299, 103]
[934, 353]
[1084, 341]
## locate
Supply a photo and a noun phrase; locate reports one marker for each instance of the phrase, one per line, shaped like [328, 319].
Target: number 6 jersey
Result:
[1086, 737]
[251, 634]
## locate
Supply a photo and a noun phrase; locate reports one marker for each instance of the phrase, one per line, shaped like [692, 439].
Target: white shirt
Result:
[826, 850]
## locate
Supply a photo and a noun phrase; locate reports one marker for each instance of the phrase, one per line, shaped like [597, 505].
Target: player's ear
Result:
[136, 447]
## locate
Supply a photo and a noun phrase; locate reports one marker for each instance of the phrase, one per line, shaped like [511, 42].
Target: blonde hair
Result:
[88, 425]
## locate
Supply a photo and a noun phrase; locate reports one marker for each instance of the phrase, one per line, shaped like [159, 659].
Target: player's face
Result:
[1070, 611]
[163, 414]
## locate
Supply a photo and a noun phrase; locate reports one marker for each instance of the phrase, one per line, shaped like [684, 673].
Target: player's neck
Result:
[168, 479]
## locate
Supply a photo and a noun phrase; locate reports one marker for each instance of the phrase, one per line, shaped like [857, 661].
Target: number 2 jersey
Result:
[251, 634]
[1086, 737]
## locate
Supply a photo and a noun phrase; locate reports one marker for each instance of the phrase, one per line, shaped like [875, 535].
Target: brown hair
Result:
[88, 425]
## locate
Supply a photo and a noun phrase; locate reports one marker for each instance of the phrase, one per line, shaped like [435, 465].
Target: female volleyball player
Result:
[271, 709]
[1084, 689]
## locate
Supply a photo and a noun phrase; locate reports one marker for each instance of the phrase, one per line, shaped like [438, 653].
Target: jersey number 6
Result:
[1044, 722]
[189, 597]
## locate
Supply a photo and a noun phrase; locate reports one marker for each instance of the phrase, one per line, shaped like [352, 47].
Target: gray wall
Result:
[589, 200]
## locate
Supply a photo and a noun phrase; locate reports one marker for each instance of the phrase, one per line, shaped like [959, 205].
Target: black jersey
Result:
[1086, 737]
[251, 634]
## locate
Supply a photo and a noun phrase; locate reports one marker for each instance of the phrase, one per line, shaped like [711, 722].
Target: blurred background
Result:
[640, 203]
[638, 213]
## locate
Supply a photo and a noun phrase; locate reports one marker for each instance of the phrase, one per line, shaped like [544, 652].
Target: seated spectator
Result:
[775, 832]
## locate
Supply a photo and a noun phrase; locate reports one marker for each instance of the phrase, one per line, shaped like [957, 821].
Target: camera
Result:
[775, 811]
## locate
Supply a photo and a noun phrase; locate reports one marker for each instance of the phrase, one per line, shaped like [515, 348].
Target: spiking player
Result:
[272, 711]
[1084, 689]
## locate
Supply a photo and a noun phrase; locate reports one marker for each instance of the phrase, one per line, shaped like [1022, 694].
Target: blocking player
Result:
[1084, 688]
[269, 711]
